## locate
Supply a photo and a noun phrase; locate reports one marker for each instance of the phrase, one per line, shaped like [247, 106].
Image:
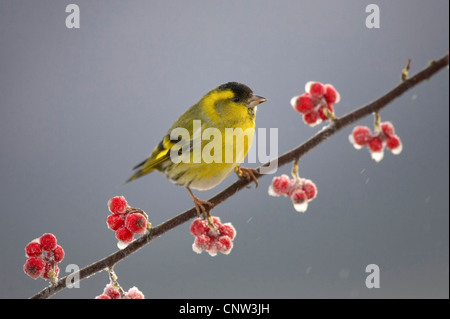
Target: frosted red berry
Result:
[299, 196]
[310, 189]
[299, 200]
[199, 227]
[124, 235]
[361, 135]
[34, 267]
[114, 221]
[317, 90]
[280, 185]
[202, 242]
[394, 144]
[134, 293]
[227, 230]
[376, 145]
[311, 118]
[224, 244]
[136, 223]
[304, 103]
[58, 254]
[118, 205]
[103, 297]
[48, 242]
[387, 128]
[33, 249]
[331, 94]
[111, 292]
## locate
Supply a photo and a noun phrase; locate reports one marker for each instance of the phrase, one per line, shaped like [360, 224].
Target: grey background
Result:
[80, 107]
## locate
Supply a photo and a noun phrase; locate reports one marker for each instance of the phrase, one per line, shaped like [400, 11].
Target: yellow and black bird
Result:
[226, 113]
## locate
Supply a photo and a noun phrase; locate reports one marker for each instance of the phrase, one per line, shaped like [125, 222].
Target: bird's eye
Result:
[236, 99]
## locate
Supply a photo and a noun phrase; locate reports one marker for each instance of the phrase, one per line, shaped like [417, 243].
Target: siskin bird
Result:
[203, 162]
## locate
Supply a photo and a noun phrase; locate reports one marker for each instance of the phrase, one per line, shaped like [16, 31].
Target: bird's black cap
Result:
[239, 89]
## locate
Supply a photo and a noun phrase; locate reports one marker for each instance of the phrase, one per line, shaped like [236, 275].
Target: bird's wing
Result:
[160, 154]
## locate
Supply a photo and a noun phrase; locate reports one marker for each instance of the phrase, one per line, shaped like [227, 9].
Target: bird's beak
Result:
[255, 100]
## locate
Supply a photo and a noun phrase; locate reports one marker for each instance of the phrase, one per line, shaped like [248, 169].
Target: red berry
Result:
[331, 95]
[111, 292]
[304, 103]
[33, 249]
[311, 118]
[299, 200]
[227, 230]
[299, 196]
[114, 221]
[124, 235]
[376, 145]
[199, 227]
[136, 223]
[135, 293]
[361, 135]
[280, 185]
[316, 89]
[394, 144]
[118, 205]
[48, 242]
[387, 128]
[58, 253]
[34, 267]
[224, 244]
[203, 241]
[310, 189]
[103, 297]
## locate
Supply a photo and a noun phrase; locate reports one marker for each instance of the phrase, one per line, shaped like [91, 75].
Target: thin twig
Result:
[294, 155]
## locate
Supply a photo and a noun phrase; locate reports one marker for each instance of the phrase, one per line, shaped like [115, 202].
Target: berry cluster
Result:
[317, 103]
[383, 137]
[111, 292]
[43, 256]
[212, 240]
[300, 190]
[126, 221]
